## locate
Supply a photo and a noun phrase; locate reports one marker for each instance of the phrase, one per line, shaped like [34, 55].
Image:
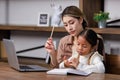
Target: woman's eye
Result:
[65, 25]
[71, 22]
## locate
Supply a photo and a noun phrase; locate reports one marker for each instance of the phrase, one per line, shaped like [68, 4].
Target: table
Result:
[7, 73]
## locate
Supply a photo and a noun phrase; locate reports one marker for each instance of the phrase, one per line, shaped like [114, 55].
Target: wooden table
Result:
[7, 73]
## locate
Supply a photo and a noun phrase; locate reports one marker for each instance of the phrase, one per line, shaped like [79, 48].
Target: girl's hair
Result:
[75, 12]
[92, 37]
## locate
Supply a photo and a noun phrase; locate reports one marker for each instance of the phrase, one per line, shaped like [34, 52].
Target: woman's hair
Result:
[92, 37]
[75, 12]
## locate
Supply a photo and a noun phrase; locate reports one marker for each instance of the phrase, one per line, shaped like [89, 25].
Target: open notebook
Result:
[13, 59]
[68, 71]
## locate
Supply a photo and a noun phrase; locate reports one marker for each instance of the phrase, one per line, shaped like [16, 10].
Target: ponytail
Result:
[100, 45]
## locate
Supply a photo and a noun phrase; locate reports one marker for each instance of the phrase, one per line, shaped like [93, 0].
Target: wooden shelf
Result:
[31, 28]
[107, 30]
[57, 29]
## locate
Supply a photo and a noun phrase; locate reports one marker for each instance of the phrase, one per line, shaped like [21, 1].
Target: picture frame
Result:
[43, 19]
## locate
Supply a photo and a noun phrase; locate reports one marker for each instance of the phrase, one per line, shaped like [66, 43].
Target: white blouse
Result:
[95, 61]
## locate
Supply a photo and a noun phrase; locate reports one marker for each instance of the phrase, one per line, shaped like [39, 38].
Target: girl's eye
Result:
[84, 46]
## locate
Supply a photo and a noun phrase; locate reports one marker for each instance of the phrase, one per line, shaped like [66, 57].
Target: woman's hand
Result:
[50, 46]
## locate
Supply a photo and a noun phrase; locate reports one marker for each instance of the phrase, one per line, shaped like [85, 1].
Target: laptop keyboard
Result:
[25, 67]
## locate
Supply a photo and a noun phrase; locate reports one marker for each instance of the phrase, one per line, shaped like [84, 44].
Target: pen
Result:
[52, 32]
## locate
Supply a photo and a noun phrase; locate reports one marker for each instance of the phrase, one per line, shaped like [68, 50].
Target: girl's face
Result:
[83, 47]
[72, 25]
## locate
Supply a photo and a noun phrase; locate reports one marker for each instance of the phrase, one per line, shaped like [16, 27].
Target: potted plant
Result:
[101, 18]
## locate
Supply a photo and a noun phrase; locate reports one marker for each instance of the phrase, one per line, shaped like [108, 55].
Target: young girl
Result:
[86, 55]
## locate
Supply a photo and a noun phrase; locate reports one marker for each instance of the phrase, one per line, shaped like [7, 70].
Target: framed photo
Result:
[43, 19]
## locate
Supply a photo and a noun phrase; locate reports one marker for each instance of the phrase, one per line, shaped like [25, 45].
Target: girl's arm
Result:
[65, 63]
[69, 63]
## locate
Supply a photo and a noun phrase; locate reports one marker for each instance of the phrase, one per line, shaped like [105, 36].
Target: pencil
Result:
[52, 32]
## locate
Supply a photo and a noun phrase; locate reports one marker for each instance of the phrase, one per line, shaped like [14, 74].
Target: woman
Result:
[74, 22]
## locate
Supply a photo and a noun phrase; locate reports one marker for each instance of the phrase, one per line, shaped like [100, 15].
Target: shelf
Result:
[107, 30]
[31, 28]
[57, 29]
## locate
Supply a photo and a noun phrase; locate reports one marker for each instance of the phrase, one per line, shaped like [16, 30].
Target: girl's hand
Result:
[66, 62]
[50, 46]
[74, 62]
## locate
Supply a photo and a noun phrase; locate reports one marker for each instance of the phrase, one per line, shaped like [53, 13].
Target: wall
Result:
[113, 7]
[25, 12]
[2, 12]
[112, 42]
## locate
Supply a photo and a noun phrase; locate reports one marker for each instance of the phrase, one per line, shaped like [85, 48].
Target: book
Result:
[67, 71]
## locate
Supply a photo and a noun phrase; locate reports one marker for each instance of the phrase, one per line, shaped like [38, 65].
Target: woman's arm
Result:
[51, 50]
[54, 62]
[64, 50]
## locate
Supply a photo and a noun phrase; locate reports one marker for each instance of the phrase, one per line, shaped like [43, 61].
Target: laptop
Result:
[13, 59]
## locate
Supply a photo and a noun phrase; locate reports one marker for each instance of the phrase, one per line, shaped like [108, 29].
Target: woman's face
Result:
[83, 47]
[72, 25]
